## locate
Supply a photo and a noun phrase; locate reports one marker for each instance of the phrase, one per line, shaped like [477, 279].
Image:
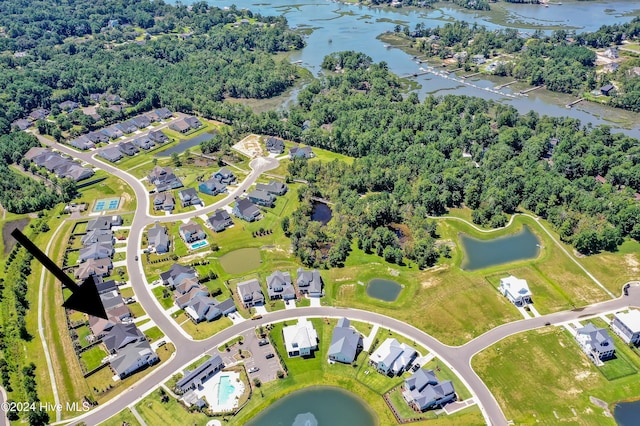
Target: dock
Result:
[531, 89]
[506, 84]
[470, 75]
[569, 105]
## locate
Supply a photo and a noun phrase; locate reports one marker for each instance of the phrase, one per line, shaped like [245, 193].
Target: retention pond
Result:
[480, 254]
[382, 289]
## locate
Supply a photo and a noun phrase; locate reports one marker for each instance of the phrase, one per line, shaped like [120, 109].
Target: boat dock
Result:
[571, 104]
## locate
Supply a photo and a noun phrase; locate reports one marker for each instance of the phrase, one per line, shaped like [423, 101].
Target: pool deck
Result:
[210, 389]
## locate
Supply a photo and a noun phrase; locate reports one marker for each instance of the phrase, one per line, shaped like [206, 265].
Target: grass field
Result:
[92, 358]
[154, 333]
[562, 370]
[155, 412]
[125, 416]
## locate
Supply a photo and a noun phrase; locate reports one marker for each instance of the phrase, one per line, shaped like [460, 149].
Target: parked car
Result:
[269, 355]
[263, 342]
[415, 367]
[136, 258]
[253, 369]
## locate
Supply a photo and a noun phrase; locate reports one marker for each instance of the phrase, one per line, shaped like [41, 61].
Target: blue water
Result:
[382, 289]
[479, 254]
[627, 413]
[185, 144]
[198, 244]
[225, 390]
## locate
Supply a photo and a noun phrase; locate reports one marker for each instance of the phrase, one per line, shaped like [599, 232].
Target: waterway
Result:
[382, 289]
[480, 254]
[317, 406]
[627, 413]
[185, 144]
[338, 26]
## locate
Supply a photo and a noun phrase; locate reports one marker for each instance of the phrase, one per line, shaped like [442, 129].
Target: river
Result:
[338, 26]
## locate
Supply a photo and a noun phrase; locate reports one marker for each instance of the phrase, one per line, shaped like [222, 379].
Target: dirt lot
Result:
[249, 146]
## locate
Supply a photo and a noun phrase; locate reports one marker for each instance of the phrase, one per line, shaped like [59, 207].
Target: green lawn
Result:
[155, 412]
[127, 292]
[153, 334]
[204, 329]
[166, 302]
[136, 309]
[124, 416]
[83, 332]
[92, 358]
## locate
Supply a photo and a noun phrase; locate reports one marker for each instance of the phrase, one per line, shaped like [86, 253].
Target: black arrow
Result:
[84, 298]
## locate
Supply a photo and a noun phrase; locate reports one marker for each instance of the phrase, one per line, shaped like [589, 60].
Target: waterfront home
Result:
[250, 293]
[516, 290]
[595, 342]
[273, 187]
[627, 326]
[246, 210]
[392, 357]
[423, 390]
[158, 136]
[180, 126]
[192, 232]
[300, 339]
[606, 89]
[144, 142]
[261, 198]
[346, 342]
[279, 286]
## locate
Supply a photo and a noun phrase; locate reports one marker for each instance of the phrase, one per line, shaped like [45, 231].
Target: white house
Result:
[595, 342]
[516, 290]
[300, 339]
[627, 326]
[392, 357]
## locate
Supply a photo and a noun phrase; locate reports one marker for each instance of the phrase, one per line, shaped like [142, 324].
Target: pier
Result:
[569, 105]
[470, 75]
[506, 84]
[524, 92]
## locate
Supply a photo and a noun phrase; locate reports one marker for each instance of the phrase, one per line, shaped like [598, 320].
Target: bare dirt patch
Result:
[346, 290]
[632, 262]
[583, 375]
[249, 146]
[393, 272]
[432, 282]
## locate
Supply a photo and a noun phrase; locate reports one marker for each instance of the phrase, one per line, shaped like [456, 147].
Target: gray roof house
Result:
[193, 379]
[38, 114]
[128, 148]
[133, 358]
[97, 236]
[111, 153]
[225, 176]
[246, 210]
[262, 198]
[82, 143]
[305, 152]
[98, 267]
[274, 187]
[22, 124]
[96, 251]
[595, 342]
[220, 220]
[212, 187]
[97, 137]
[627, 326]
[111, 299]
[68, 105]
[193, 122]
[346, 342]
[191, 232]
[104, 222]
[202, 308]
[183, 300]
[112, 132]
[180, 126]
[606, 89]
[423, 390]
[144, 142]
[127, 126]
[392, 357]
[279, 286]
[227, 306]
[158, 136]
[120, 336]
[250, 293]
[176, 274]
[163, 113]
[105, 286]
[275, 145]
[164, 201]
[141, 121]
[158, 238]
[164, 179]
[189, 197]
[309, 282]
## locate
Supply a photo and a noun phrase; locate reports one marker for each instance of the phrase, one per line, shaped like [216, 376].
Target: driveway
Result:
[268, 368]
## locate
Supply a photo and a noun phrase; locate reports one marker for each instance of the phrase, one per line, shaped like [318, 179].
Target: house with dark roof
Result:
[97, 137]
[595, 342]
[627, 326]
[164, 179]
[246, 210]
[38, 114]
[297, 152]
[194, 379]
[21, 124]
[104, 222]
[164, 201]
[346, 343]
[227, 306]
[191, 232]
[97, 236]
[127, 126]
[158, 136]
[273, 187]
[176, 274]
[220, 220]
[212, 187]
[309, 282]
[141, 121]
[112, 299]
[225, 176]
[36, 152]
[202, 308]
[158, 238]
[68, 106]
[261, 198]
[152, 117]
[182, 299]
[392, 357]
[423, 390]
[279, 286]
[250, 293]
[193, 122]
[82, 143]
[128, 148]
[163, 113]
[132, 358]
[96, 251]
[275, 145]
[120, 336]
[143, 142]
[105, 286]
[111, 153]
[112, 132]
[99, 267]
[180, 126]
[606, 89]
[189, 197]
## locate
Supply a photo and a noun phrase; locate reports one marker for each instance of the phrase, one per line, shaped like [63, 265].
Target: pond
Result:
[241, 261]
[185, 144]
[321, 213]
[382, 289]
[8, 228]
[479, 254]
[627, 413]
[317, 406]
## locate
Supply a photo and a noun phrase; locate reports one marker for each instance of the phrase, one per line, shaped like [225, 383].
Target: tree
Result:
[176, 159]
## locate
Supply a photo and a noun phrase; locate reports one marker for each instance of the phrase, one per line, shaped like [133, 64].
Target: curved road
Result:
[457, 358]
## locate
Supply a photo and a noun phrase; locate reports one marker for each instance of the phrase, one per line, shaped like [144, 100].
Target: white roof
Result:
[516, 286]
[631, 319]
[300, 335]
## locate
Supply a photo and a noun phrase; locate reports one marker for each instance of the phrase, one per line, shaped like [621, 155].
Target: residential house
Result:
[478, 59]
[144, 142]
[189, 197]
[392, 357]
[274, 187]
[119, 312]
[105, 286]
[133, 358]
[164, 201]
[423, 390]
[141, 121]
[36, 152]
[225, 176]
[300, 339]
[158, 238]
[611, 67]
[152, 117]
[163, 113]
[111, 299]
[97, 137]
[227, 306]
[346, 342]
[275, 145]
[202, 308]
[180, 126]
[191, 232]
[104, 222]
[96, 251]
[176, 274]
[158, 136]
[279, 286]
[193, 122]
[220, 220]
[164, 179]
[128, 148]
[120, 336]
[627, 326]
[611, 53]
[38, 114]
[111, 153]
[127, 126]
[606, 89]
[68, 106]
[595, 342]
[309, 282]
[297, 152]
[250, 293]
[112, 132]
[100, 326]
[261, 198]
[21, 124]
[97, 236]
[99, 267]
[246, 210]
[212, 187]
[194, 379]
[516, 290]
[82, 143]
[182, 300]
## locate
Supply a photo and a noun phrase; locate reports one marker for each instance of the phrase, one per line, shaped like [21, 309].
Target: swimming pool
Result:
[106, 204]
[225, 390]
[198, 244]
